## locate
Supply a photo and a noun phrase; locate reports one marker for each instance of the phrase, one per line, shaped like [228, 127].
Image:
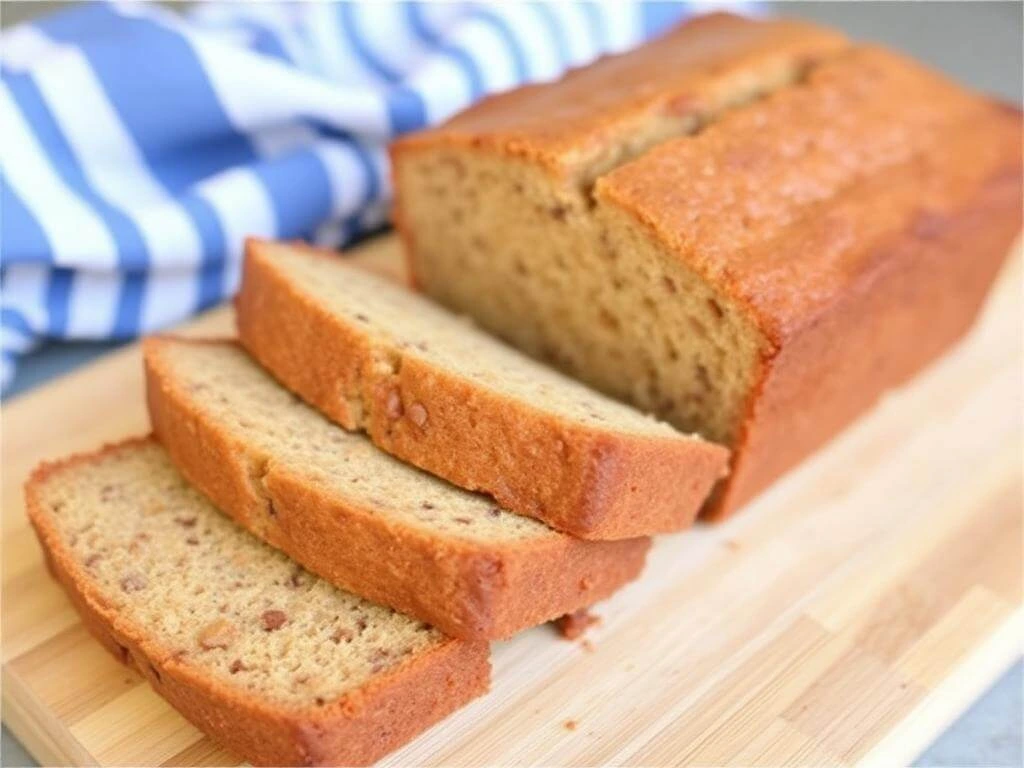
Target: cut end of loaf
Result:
[505, 219]
[578, 288]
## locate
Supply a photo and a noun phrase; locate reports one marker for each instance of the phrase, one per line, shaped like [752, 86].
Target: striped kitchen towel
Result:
[141, 145]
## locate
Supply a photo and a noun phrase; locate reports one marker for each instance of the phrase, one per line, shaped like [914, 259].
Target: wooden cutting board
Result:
[845, 617]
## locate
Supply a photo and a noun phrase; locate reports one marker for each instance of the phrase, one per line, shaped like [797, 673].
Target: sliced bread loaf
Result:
[274, 663]
[433, 390]
[358, 517]
[745, 227]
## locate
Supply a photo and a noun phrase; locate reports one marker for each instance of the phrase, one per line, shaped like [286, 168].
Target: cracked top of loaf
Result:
[776, 159]
[664, 88]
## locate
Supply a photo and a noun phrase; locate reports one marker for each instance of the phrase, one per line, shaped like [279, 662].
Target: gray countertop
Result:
[979, 44]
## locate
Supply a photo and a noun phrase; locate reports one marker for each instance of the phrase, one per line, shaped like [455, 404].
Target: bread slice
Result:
[274, 663]
[747, 227]
[434, 391]
[358, 517]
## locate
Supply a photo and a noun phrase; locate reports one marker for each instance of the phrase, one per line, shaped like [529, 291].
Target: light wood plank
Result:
[74, 653]
[136, 728]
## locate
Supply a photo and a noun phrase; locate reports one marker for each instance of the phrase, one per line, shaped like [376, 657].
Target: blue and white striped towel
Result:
[141, 146]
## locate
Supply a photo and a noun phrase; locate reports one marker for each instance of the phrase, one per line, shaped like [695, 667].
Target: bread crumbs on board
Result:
[573, 625]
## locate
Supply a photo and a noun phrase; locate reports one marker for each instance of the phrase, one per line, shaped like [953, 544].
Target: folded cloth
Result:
[141, 146]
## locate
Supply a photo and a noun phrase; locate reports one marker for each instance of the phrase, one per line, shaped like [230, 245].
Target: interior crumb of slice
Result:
[415, 326]
[211, 595]
[242, 398]
[581, 288]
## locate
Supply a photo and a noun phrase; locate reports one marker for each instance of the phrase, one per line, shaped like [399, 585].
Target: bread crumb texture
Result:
[234, 391]
[208, 593]
[404, 324]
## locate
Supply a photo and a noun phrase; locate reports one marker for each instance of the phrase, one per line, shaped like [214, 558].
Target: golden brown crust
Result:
[564, 128]
[466, 589]
[753, 203]
[927, 281]
[591, 483]
[696, 64]
[358, 728]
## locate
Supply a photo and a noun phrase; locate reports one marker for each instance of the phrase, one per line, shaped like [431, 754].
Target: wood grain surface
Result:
[844, 618]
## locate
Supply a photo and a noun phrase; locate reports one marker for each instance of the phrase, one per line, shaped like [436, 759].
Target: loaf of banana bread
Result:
[750, 229]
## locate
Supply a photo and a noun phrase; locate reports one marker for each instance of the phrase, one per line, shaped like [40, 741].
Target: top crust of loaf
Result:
[697, 69]
[782, 205]
[804, 152]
